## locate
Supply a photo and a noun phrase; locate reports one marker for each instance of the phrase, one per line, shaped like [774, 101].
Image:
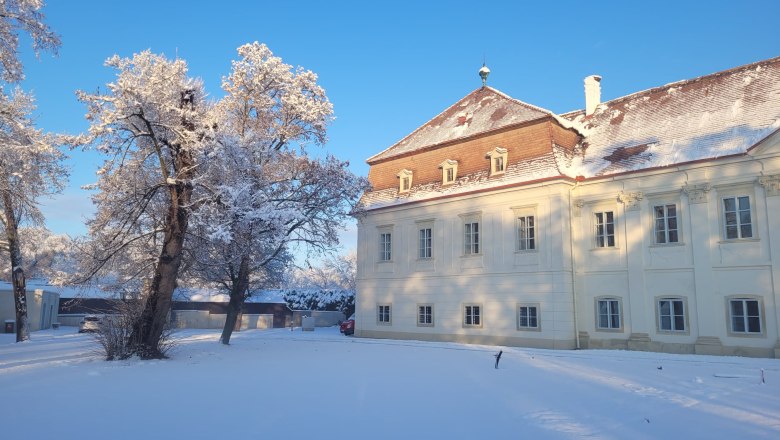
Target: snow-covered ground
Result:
[322, 385]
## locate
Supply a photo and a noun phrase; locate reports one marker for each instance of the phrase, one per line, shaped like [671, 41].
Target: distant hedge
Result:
[334, 300]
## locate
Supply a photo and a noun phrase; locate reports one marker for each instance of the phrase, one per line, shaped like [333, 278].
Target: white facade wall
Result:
[497, 279]
[704, 269]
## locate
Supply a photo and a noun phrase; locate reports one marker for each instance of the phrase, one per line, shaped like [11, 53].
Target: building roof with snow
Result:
[483, 110]
[705, 118]
[33, 284]
[708, 117]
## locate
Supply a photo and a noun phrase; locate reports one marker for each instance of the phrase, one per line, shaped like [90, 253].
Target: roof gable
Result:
[483, 110]
[767, 146]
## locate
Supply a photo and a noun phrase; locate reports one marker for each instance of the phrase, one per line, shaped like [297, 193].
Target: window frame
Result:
[425, 243]
[605, 245]
[672, 323]
[611, 299]
[737, 216]
[385, 254]
[498, 164]
[760, 319]
[537, 317]
[472, 312]
[667, 230]
[472, 239]
[526, 243]
[429, 314]
[380, 314]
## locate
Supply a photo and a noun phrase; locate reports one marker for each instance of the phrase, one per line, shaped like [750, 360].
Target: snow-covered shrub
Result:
[338, 300]
[115, 331]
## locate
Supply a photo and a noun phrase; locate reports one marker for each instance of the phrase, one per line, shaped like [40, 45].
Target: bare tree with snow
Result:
[31, 166]
[24, 150]
[151, 124]
[45, 255]
[266, 191]
[334, 272]
[23, 16]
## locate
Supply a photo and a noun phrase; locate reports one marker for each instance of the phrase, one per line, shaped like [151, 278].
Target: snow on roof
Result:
[712, 116]
[703, 118]
[543, 167]
[484, 109]
[64, 291]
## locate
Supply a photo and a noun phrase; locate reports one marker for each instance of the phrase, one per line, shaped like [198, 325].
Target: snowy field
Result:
[322, 385]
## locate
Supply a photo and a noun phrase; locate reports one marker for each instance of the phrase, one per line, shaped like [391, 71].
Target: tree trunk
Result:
[20, 301]
[17, 277]
[148, 330]
[237, 295]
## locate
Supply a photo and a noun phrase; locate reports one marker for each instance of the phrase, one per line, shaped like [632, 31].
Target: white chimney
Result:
[592, 94]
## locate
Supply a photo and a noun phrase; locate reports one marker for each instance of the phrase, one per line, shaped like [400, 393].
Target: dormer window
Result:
[497, 160]
[404, 181]
[449, 171]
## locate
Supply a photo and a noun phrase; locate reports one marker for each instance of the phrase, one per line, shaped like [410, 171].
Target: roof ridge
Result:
[655, 89]
[475, 91]
[423, 125]
[523, 103]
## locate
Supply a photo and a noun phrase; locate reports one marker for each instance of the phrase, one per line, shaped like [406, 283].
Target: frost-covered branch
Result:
[22, 16]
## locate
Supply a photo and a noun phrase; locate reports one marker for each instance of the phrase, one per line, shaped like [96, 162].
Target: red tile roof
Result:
[703, 118]
[482, 110]
[712, 116]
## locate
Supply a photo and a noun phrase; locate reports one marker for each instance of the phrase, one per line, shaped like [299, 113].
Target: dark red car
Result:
[348, 327]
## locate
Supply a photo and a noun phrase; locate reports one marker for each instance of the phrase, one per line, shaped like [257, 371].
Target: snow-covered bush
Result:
[115, 330]
[335, 300]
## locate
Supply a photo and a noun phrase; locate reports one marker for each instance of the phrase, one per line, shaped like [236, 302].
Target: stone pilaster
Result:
[697, 193]
[771, 185]
[634, 247]
[630, 200]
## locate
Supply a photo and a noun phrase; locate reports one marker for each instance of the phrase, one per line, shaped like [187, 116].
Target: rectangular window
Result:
[383, 314]
[471, 316]
[425, 315]
[450, 175]
[526, 233]
[385, 245]
[745, 315]
[405, 183]
[736, 212]
[605, 229]
[671, 315]
[666, 224]
[426, 243]
[499, 164]
[527, 317]
[608, 314]
[471, 238]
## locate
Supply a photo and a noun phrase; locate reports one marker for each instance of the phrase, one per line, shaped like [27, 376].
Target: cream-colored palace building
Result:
[648, 222]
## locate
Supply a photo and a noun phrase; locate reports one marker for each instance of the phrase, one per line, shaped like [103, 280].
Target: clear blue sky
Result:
[388, 67]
